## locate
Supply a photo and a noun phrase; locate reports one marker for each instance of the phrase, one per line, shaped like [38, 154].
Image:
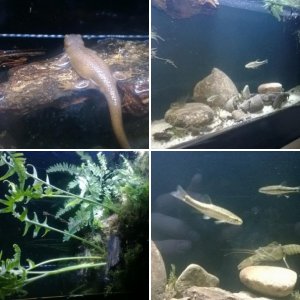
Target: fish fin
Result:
[266, 60]
[205, 217]
[206, 199]
[283, 183]
[219, 222]
[180, 193]
[286, 196]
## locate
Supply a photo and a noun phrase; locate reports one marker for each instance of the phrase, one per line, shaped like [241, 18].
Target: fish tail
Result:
[266, 61]
[180, 193]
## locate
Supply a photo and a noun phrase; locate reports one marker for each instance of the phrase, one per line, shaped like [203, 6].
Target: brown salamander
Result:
[89, 65]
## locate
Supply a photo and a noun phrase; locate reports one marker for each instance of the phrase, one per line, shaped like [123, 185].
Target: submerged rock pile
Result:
[216, 104]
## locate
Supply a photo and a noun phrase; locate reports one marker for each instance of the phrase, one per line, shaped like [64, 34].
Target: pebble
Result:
[269, 280]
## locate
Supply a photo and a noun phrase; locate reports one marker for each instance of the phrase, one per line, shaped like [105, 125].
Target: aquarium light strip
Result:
[86, 36]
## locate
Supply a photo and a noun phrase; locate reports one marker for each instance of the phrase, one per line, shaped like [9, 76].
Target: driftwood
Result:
[48, 83]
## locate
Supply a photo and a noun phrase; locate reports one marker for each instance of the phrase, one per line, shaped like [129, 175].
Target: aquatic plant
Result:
[29, 187]
[14, 277]
[276, 7]
[156, 38]
[133, 226]
[94, 191]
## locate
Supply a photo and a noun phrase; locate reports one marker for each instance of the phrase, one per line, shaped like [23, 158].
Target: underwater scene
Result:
[74, 224]
[225, 73]
[225, 225]
[74, 74]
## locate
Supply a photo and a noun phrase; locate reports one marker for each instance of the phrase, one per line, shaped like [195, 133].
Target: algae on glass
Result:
[94, 193]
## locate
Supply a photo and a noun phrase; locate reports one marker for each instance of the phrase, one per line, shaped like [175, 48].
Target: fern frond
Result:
[84, 156]
[63, 167]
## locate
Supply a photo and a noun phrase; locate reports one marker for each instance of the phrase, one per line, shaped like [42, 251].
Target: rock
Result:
[158, 274]
[294, 94]
[269, 280]
[217, 83]
[189, 115]
[272, 87]
[239, 115]
[246, 92]
[231, 104]
[162, 136]
[194, 275]
[214, 293]
[280, 99]
[253, 104]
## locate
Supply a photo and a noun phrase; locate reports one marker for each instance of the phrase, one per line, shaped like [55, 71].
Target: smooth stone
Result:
[195, 275]
[189, 115]
[214, 293]
[231, 104]
[269, 280]
[217, 83]
[239, 115]
[158, 274]
[272, 87]
[254, 104]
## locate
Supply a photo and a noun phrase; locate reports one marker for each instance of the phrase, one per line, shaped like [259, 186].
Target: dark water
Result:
[227, 38]
[232, 180]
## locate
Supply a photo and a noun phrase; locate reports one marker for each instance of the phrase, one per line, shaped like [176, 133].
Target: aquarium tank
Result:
[225, 73]
[74, 224]
[225, 225]
[50, 98]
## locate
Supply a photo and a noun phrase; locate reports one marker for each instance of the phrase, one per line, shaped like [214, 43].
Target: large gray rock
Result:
[158, 274]
[195, 275]
[254, 104]
[190, 115]
[269, 280]
[214, 293]
[217, 83]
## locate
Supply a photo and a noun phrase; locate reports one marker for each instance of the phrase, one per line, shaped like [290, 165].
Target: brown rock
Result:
[195, 275]
[272, 87]
[189, 115]
[158, 274]
[269, 280]
[217, 83]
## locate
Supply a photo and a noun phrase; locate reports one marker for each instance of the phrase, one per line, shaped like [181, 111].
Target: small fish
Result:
[255, 64]
[279, 190]
[222, 215]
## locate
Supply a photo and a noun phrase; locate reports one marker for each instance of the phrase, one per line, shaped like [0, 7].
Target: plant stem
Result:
[62, 232]
[63, 259]
[63, 270]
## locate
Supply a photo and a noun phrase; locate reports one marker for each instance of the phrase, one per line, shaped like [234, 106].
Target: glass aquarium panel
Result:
[74, 224]
[216, 217]
[225, 73]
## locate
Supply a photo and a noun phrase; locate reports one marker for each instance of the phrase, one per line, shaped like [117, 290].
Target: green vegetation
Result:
[276, 7]
[94, 191]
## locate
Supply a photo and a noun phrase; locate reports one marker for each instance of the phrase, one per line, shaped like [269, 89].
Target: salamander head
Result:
[73, 40]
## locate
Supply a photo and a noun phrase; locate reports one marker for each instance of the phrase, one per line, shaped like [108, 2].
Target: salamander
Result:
[88, 64]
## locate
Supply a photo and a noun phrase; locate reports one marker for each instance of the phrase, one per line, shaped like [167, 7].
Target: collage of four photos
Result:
[149, 149]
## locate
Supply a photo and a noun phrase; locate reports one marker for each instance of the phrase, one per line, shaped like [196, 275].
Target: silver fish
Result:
[255, 64]
[222, 215]
[279, 190]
